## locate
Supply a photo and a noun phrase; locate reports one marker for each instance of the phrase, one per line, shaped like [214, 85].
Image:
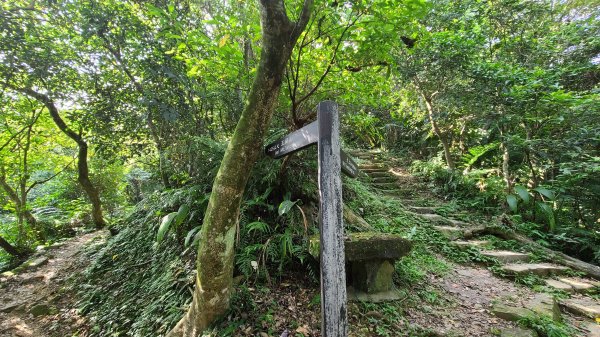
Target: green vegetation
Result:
[148, 119]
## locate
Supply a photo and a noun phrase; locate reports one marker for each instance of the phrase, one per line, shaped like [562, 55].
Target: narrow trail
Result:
[482, 302]
[30, 301]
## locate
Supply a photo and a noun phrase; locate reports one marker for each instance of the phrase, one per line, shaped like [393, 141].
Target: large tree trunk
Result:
[82, 164]
[438, 132]
[216, 249]
[10, 249]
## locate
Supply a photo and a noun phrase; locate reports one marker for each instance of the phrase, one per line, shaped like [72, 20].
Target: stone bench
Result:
[371, 259]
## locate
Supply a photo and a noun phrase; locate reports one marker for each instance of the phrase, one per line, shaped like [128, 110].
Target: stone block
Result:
[506, 256]
[540, 269]
[559, 285]
[518, 332]
[585, 307]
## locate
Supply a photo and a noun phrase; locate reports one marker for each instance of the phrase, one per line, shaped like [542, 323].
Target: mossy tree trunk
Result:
[216, 249]
[83, 174]
[10, 249]
[437, 131]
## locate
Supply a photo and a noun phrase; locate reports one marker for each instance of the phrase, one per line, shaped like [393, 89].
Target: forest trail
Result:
[482, 300]
[30, 305]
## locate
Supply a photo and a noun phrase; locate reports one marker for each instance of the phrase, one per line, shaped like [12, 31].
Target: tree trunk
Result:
[214, 276]
[10, 249]
[21, 209]
[82, 164]
[506, 167]
[438, 132]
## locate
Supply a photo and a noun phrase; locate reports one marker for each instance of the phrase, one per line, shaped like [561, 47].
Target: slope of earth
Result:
[30, 301]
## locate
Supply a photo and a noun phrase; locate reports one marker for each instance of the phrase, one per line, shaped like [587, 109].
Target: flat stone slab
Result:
[370, 166]
[361, 296]
[544, 304]
[593, 329]
[518, 332]
[386, 179]
[510, 313]
[376, 174]
[471, 243]
[586, 307]
[368, 246]
[506, 256]
[578, 285]
[540, 269]
[458, 223]
[386, 185]
[540, 304]
[423, 210]
[40, 261]
[434, 217]
[452, 233]
[559, 286]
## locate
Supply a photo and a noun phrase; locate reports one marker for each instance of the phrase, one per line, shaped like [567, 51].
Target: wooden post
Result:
[334, 321]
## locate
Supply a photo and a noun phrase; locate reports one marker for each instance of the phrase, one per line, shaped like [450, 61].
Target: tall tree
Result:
[216, 249]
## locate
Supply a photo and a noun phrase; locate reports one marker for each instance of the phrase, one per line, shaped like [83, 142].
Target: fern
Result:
[476, 153]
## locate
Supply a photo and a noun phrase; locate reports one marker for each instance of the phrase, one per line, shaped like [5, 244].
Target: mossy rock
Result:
[368, 246]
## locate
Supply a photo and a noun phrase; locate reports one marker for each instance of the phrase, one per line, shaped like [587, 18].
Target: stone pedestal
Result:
[371, 259]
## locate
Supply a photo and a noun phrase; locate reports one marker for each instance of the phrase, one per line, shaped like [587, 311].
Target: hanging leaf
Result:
[545, 192]
[190, 235]
[181, 214]
[286, 206]
[512, 202]
[523, 193]
[547, 210]
[165, 223]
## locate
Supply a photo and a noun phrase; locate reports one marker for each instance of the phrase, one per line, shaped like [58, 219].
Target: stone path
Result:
[581, 310]
[29, 294]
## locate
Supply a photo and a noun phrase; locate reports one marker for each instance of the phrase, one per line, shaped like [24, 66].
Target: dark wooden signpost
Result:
[332, 160]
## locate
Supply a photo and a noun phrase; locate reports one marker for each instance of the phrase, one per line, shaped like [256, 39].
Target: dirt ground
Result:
[30, 301]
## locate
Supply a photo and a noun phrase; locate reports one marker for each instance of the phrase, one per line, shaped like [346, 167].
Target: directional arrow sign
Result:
[295, 141]
[303, 138]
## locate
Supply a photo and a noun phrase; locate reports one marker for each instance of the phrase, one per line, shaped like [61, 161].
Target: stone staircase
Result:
[513, 264]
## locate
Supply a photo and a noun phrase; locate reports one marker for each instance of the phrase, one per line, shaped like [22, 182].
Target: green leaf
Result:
[181, 214]
[259, 226]
[523, 193]
[549, 214]
[545, 192]
[286, 206]
[165, 223]
[512, 202]
[190, 235]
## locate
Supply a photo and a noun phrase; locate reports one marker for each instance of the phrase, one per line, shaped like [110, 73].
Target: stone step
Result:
[460, 244]
[384, 180]
[435, 218]
[375, 174]
[386, 186]
[540, 304]
[379, 169]
[506, 256]
[452, 233]
[579, 285]
[370, 166]
[585, 307]
[540, 269]
[518, 332]
[423, 210]
[458, 223]
[558, 285]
